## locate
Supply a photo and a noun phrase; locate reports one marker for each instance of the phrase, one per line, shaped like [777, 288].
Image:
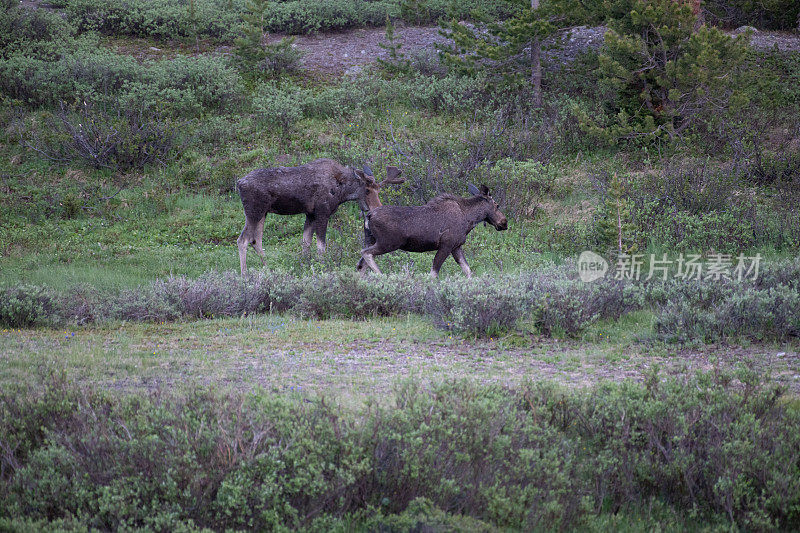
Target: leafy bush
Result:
[306, 16]
[691, 206]
[180, 86]
[25, 305]
[276, 108]
[720, 446]
[699, 442]
[480, 307]
[84, 75]
[567, 307]
[519, 186]
[102, 139]
[186, 85]
[228, 294]
[161, 19]
[38, 33]
[771, 314]
[349, 295]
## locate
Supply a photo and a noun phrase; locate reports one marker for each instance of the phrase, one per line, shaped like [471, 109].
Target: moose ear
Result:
[393, 175]
[368, 171]
[472, 189]
[484, 190]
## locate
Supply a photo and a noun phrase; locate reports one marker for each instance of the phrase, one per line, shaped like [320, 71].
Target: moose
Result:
[315, 189]
[442, 225]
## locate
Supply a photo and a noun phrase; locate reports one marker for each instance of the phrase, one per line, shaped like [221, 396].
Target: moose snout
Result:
[502, 224]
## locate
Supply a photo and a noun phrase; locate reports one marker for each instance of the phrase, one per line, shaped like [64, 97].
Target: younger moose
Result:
[442, 225]
[315, 189]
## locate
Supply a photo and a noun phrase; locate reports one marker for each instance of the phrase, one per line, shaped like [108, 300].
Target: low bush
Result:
[278, 109]
[305, 16]
[183, 86]
[565, 308]
[482, 307]
[160, 19]
[767, 308]
[692, 207]
[771, 314]
[228, 294]
[102, 138]
[84, 75]
[350, 295]
[186, 86]
[39, 33]
[25, 306]
[714, 448]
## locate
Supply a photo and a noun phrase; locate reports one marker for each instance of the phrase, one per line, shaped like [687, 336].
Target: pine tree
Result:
[614, 224]
[396, 63]
[257, 59]
[510, 50]
[665, 69]
[249, 47]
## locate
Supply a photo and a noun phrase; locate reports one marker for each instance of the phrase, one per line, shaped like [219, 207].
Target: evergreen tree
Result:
[257, 59]
[664, 69]
[396, 63]
[510, 50]
[614, 225]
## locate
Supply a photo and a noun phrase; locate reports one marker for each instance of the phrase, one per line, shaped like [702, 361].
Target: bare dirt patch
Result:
[349, 51]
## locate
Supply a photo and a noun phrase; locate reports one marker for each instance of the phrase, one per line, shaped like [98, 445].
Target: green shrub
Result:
[84, 75]
[160, 19]
[692, 207]
[565, 308]
[143, 304]
[771, 314]
[765, 14]
[519, 186]
[228, 294]
[26, 305]
[700, 450]
[350, 295]
[451, 94]
[102, 138]
[186, 85]
[698, 443]
[481, 307]
[278, 109]
[305, 16]
[180, 86]
[39, 33]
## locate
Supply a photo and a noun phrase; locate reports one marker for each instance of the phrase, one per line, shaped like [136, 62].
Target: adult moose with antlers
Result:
[442, 225]
[315, 189]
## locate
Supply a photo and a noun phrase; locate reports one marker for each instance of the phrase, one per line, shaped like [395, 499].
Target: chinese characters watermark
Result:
[714, 267]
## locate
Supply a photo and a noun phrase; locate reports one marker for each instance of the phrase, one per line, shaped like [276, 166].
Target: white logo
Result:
[591, 266]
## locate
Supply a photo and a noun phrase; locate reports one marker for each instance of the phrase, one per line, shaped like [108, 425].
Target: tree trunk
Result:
[536, 65]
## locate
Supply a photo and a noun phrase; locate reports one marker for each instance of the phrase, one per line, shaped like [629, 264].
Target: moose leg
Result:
[259, 235]
[245, 238]
[368, 258]
[458, 255]
[321, 228]
[369, 240]
[438, 259]
[308, 230]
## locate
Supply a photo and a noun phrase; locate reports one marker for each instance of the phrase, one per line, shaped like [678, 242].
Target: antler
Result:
[392, 177]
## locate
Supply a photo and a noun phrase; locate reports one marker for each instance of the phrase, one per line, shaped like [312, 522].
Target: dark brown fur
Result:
[315, 189]
[442, 225]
